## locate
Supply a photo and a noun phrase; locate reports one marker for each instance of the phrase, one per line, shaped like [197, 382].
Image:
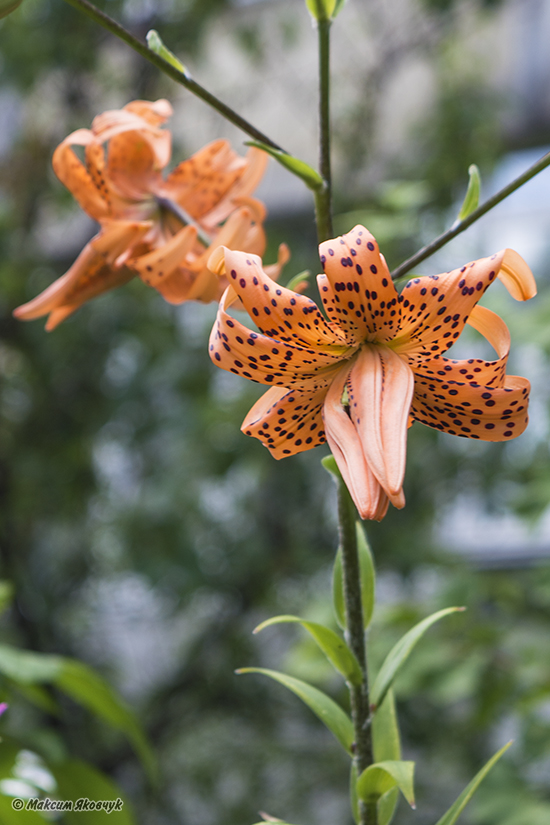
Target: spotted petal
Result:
[199, 183]
[435, 308]
[358, 292]
[142, 116]
[87, 278]
[473, 398]
[279, 312]
[287, 421]
[343, 439]
[249, 178]
[266, 360]
[83, 185]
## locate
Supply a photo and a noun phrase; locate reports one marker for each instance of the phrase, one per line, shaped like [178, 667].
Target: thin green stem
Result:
[323, 198]
[459, 227]
[355, 637]
[180, 77]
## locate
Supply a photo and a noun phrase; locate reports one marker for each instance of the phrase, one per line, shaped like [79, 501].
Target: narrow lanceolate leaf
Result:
[311, 178]
[334, 648]
[399, 654]
[6, 594]
[368, 580]
[368, 575]
[386, 741]
[322, 705]
[321, 9]
[387, 747]
[338, 6]
[381, 777]
[354, 798]
[154, 42]
[90, 690]
[455, 810]
[300, 278]
[82, 684]
[471, 199]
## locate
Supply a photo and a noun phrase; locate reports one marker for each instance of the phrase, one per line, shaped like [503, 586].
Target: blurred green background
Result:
[146, 536]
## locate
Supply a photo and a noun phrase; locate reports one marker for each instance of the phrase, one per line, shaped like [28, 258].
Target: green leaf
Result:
[7, 6]
[154, 42]
[471, 199]
[10, 817]
[354, 798]
[368, 575]
[321, 9]
[334, 648]
[39, 696]
[368, 580]
[311, 178]
[27, 667]
[338, 590]
[338, 6]
[399, 654]
[6, 594]
[322, 705]
[385, 731]
[83, 685]
[378, 779]
[298, 279]
[89, 689]
[77, 780]
[387, 747]
[455, 810]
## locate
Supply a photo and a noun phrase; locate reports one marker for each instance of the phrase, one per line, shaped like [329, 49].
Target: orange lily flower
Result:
[160, 229]
[360, 378]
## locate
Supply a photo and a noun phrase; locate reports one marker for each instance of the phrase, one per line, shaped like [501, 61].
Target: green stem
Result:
[323, 197]
[180, 77]
[355, 637]
[455, 230]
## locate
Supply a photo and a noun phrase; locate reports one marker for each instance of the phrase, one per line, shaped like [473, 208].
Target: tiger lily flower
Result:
[359, 379]
[162, 230]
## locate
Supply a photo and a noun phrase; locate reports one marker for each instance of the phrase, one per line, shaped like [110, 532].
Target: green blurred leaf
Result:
[6, 594]
[399, 654]
[387, 747]
[378, 779]
[368, 580]
[338, 6]
[89, 689]
[27, 667]
[83, 685]
[354, 799]
[338, 590]
[311, 178]
[7, 6]
[471, 198]
[10, 817]
[154, 42]
[322, 705]
[456, 809]
[334, 648]
[38, 696]
[321, 9]
[77, 780]
[298, 279]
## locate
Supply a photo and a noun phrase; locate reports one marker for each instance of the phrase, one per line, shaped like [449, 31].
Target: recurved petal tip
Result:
[516, 276]
[216, 261]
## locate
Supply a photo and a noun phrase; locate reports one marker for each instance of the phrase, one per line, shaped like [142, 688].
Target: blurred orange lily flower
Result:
[160, 229]
[360, 378]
